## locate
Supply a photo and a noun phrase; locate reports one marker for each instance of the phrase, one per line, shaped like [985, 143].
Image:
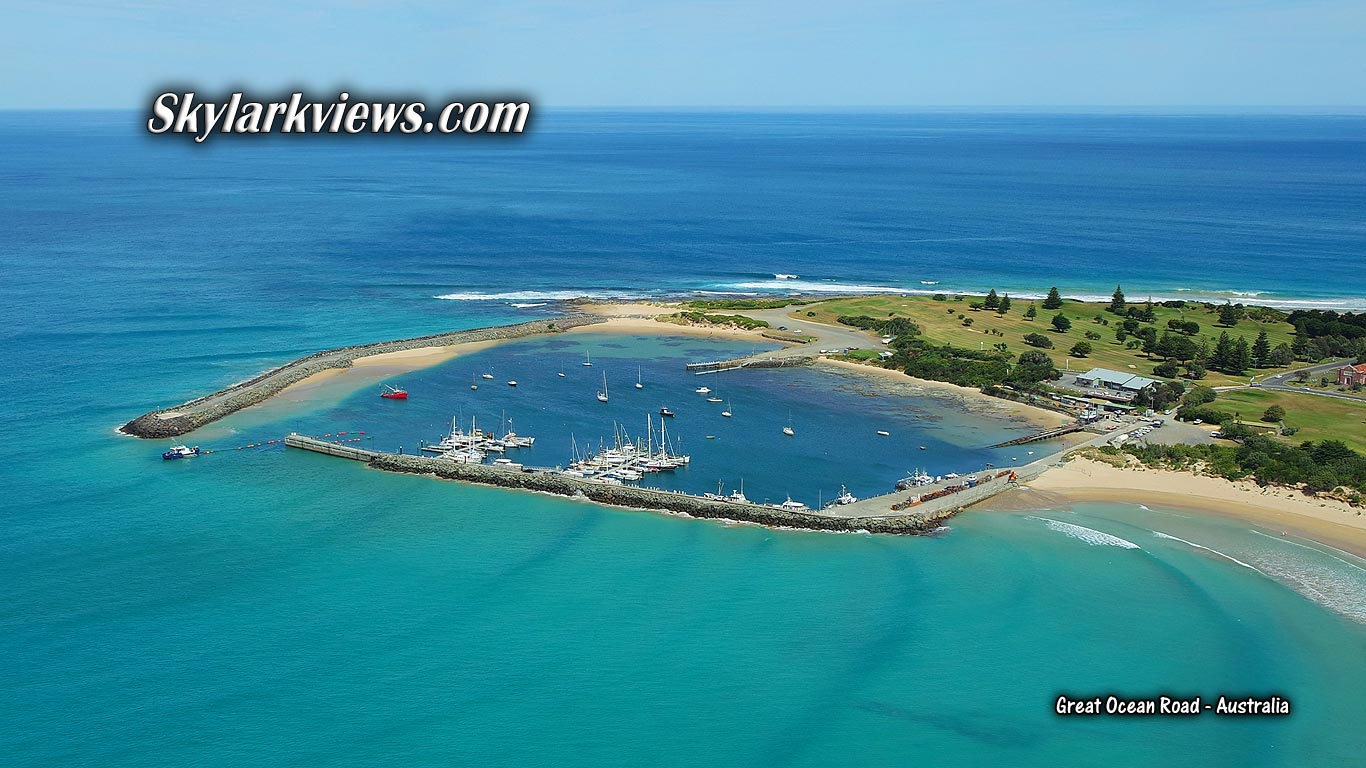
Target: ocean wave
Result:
[1162, 535]
[524, 305]
[1089, 535]
[526, 296]
[814, 286]
[929, 282]
[781, 276]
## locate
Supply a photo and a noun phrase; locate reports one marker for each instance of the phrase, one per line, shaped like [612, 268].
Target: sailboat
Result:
[638, 384]
[587, 360]
[788, 429]
[727, 412]
[602, 396]
[473, 383]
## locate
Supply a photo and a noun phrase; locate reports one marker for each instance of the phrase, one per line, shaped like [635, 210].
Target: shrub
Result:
[1038, 340]
[1274, 414]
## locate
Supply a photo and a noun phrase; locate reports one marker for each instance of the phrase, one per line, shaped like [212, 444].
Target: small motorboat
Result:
[884, 432]
[788, 431]
[703, 390]
[711, 437]
[393, 393]
[512, 383]
[488, 376]
[561, 375]
[180, 452]
[666, 412]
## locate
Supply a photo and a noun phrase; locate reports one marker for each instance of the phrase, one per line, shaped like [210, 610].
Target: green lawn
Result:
[1318, 417]
[941, 325]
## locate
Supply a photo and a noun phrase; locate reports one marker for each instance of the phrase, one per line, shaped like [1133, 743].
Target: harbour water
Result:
[263, 606]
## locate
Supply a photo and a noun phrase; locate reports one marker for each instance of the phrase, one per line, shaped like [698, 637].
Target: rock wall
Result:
[200, 411]
[643, 498]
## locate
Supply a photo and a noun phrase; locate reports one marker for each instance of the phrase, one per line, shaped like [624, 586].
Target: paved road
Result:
[1281, 382]
[827, 336]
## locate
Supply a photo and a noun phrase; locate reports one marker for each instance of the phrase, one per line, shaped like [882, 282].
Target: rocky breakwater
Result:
[187, 417]
[644, 498]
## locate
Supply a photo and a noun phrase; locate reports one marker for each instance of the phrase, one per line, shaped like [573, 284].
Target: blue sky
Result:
[767, 53]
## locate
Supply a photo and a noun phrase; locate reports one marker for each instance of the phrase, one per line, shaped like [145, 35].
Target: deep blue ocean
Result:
[260, 606]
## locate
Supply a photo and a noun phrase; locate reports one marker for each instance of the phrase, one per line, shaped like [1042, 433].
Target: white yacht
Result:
[602, 394]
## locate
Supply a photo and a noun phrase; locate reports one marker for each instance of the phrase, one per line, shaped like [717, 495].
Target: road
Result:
[1281, 383]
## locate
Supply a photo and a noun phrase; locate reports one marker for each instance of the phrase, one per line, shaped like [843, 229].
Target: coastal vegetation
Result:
[1324, 467]
[1305, 416]
[723, 321]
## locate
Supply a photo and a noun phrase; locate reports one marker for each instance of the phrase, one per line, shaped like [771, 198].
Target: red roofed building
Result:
[1352, 375]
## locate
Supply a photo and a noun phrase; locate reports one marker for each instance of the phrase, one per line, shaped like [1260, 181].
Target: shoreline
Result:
[1082, 480]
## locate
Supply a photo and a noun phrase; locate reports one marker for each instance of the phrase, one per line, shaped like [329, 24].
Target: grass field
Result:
[1318, 417]
[940, 322]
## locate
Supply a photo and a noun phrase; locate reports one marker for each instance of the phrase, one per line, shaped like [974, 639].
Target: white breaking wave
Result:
[529, 306]
[781, 276]
[812, 286]
[929, 282]
[1089, 535]
[523, 296]
[1162, 535]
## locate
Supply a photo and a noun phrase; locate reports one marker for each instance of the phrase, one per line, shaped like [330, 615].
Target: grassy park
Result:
[947, 322]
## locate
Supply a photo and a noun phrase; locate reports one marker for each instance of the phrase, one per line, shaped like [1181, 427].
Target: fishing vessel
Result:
[393, 393]
[845, 497]
[602, 395]
[789, 505]
[180, 452]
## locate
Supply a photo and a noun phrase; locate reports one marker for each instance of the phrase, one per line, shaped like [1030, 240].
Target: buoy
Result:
[360, 433]
[341, 433]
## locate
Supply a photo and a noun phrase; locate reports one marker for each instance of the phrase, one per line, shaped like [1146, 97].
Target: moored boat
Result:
[393, 393]
[180, 452]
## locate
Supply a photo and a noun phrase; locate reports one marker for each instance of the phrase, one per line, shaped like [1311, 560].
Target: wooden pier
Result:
[1047, 434]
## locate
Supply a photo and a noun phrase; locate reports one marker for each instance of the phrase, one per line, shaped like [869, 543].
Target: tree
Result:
[1004, 306]
[1031, 313]
[1061, 323]
[1222, 357]
[1195, 370]
[1261, 351]
[1281, 356]
[1199, 395]
[992, 301]
[1228, 315]
[1054, 300]
[1080, 349]
[1167, 370]
[1299, 346]
[1274, 414]
[1035, 357]
[1117, 302]
[1038, 340]
[1242, 357]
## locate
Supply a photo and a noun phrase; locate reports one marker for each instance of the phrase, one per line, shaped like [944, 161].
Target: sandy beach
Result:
[1276, 509]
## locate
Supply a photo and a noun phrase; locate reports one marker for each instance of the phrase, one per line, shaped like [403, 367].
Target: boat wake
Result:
[1089, 535]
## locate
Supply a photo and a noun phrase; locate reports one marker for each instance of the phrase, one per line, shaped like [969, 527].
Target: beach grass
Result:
[1316, 416]
[943, 322]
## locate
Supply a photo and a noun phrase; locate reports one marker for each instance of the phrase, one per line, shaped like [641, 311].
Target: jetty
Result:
[924, 519]
[1047, 434]
[187, 417]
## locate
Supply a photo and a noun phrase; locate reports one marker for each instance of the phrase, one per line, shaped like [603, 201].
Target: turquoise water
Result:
[262, 606]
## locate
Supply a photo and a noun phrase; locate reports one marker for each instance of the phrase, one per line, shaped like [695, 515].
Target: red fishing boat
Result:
[393, 393]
